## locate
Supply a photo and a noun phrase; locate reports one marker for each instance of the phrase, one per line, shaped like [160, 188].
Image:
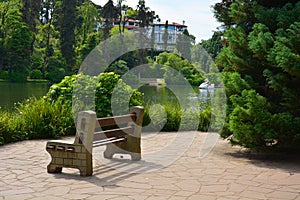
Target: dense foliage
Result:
[36, 119]
[173, 69]
[101, 88]
[262, 72]
[52, 116]
[55, 36]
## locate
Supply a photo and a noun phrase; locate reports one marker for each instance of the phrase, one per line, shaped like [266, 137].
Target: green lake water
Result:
[11, 93]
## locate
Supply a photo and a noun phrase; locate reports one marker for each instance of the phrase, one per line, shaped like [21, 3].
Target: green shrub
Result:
[168, 118]
[18, 76]
[55, 68]
[204, 119]
[36, 119]
[44, 119]
[101, 88]
[4, 75]
[7, 128]
[55, 75]
[35, 74]
[250, 119]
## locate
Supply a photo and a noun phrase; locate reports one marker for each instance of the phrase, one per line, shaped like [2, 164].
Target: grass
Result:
[171, 117]
[41, 119]
[37, 119]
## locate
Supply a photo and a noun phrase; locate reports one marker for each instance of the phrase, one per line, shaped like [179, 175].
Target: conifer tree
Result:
[262, 71]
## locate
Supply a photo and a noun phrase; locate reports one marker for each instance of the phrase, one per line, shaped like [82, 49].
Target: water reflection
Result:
[206, 95]
[11, 93]
[166, 95]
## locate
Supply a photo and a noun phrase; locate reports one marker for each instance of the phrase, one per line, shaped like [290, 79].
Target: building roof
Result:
[173, 23]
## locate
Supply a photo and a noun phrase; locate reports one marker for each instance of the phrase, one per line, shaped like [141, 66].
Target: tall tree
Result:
[165, 36]
[4, 9]
[17, 41]
[67, 27]
[30, 10]
[109, 13]
[261, 63]
[184, 44]
[145, 16]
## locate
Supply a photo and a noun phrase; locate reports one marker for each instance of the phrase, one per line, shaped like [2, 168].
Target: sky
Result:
[197, 14]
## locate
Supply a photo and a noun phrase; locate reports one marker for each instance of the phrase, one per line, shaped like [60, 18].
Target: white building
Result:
[174, 30]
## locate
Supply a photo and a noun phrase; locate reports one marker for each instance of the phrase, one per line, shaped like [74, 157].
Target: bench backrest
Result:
[128, 126]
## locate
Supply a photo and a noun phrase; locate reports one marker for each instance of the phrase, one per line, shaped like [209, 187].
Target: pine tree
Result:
[67, 27]
[262, 67]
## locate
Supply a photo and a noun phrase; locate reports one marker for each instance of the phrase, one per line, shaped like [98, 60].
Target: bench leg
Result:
[136, 156]
[85, 171]
[108, 153]
[54, 169]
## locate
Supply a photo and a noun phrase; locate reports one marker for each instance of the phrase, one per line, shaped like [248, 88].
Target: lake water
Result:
[182, 95]
[11, 93]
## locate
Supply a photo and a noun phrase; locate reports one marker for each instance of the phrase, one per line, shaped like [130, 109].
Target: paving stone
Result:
[59, 190]
[189, 185]
[75, 196]
[52, 197]
[19, 197]
[102, 196]
[283, 195]
[16, 191]
[138, 197]
[198, 197]
[213, 188]
[129, 184]
[184, 193]
[157, 197]
[253, 194]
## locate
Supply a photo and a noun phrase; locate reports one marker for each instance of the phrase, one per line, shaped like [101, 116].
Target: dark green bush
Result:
[35, 74]
[55, 75]
[254, 126]
[56, 68]
[36, 119]
[18, 75]
[4, 75]
[44, 119]
[168, 118]
[104, 85]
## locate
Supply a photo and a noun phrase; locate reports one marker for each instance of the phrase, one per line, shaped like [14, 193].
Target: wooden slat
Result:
[109, 121]
[112, 133]
[104, 142]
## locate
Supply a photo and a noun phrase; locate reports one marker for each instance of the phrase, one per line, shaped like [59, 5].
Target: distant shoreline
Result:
[28, 81]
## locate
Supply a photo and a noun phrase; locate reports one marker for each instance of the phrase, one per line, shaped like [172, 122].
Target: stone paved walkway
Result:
[226, 173]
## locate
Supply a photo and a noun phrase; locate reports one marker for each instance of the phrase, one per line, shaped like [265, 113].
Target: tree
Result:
[205, 52]
[16, 39]
[184, 44]
[87, 34]
[109, 13]
[30, 11]
[165, 36]
[261, 63]
[47, 15]
[145, 16]
[67, 27]
[173, 67]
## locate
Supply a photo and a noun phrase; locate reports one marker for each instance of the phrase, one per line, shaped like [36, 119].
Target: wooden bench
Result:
[125, 139]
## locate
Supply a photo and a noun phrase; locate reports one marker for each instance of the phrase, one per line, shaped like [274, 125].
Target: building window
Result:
[172, 28]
